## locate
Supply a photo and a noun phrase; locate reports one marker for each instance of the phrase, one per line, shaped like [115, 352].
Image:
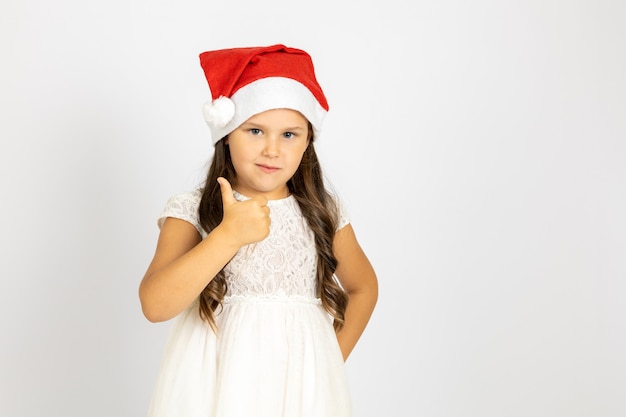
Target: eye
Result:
[255, 131]
[289, 135]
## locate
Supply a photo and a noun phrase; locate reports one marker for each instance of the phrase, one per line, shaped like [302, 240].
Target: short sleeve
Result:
[343, 219]
[185, 207]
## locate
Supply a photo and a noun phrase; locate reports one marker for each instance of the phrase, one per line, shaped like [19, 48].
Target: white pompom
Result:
[219, 112]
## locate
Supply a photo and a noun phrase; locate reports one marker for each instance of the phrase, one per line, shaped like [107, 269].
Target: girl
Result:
[261, 267]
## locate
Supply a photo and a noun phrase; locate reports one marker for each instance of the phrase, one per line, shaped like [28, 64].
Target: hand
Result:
[246, 221]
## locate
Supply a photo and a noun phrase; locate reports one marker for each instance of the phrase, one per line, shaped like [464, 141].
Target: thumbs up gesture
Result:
[246, 221]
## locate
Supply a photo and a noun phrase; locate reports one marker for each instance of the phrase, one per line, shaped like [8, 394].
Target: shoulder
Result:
[183, 206]
[342, 216]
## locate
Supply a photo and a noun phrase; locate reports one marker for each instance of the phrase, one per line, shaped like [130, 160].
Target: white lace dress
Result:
[275, 353]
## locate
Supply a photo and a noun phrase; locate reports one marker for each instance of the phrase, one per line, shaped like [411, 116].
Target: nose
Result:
[272, 147]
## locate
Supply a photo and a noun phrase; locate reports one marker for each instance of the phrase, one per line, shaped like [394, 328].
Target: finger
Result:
[228, 198]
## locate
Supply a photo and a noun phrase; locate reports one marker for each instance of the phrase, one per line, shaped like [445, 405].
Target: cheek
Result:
[295, 159]
[240, 153]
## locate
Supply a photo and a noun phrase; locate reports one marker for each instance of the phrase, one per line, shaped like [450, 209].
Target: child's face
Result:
[266, 151]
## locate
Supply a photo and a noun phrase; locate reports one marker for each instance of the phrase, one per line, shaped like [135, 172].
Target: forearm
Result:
[357, 315]
[168, 289]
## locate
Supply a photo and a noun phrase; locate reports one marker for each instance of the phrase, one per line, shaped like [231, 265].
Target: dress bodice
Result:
[283, 264]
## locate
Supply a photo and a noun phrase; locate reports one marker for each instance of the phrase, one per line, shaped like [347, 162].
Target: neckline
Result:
[242, 197]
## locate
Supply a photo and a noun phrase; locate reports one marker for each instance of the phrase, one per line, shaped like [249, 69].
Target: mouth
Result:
[267, 168]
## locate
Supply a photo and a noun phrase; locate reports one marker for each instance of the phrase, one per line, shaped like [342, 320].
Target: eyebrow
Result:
[262, 127]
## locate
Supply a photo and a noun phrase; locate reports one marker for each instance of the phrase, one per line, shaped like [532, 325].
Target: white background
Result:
[480, 148]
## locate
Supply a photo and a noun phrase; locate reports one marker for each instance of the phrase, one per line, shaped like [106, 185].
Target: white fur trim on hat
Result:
[259, 96]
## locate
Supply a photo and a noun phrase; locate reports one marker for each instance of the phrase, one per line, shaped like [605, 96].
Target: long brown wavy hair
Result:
[318, 208]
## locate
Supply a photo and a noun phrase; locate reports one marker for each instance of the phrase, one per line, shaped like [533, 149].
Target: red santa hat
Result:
[247, 81]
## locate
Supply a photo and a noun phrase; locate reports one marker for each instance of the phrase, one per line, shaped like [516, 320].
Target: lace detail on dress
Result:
[185, 207]
[283, 264]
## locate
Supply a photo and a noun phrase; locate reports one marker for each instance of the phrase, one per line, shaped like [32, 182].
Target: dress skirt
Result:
[271, 357]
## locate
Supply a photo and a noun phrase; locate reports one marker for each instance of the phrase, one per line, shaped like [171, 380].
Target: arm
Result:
[182, 266]
[357, 277]
[183, 263]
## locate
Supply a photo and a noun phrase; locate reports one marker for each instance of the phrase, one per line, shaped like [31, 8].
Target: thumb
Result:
[227, 192]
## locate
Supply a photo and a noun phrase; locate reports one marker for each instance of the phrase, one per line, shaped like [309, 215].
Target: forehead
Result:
[279, 117]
